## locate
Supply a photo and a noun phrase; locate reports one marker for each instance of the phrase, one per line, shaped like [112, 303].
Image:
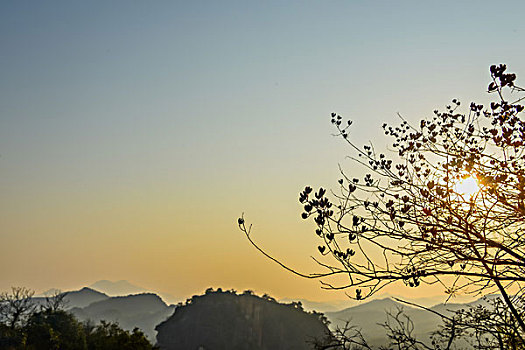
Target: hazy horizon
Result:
[120, 288]
[133, 135]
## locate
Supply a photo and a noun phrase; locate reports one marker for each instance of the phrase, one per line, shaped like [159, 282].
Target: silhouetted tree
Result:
[25, 326]
[10, 338]
[16, 306]
[407, 219]
[54, 301]
[54, 329]
[348, 337]
[109, 336]
[488, 325]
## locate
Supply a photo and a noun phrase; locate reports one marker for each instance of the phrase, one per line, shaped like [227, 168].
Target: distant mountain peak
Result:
[124, 288]
[87, 289]
[117, 288]
[83, 297]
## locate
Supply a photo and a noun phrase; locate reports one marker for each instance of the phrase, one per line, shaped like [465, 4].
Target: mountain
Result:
[144, 311]
[225, 320]
[322, 306]
[368, 317]
[129, 305]
[84, 297]
[117, 288]
[75, 299]
[429, 301]
[123, 288]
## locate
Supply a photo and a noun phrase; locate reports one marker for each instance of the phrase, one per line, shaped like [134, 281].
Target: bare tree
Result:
[347, 337]
[16, 306]
[409, 220]
[399, 330]
[54, 301]
[489, 325]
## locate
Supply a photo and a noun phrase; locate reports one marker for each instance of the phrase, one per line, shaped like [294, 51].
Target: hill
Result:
[144, 311]
[226, 320]
[322, 306]
[83, 297]
[123, 288]
[76, 299]
[370, 315]
[117, 288]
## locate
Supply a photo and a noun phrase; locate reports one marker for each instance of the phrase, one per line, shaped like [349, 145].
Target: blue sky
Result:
[132, 134]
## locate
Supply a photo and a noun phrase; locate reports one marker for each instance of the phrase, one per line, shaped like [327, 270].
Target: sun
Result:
[467, 187]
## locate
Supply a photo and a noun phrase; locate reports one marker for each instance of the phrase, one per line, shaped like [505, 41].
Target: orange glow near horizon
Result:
[133, 137]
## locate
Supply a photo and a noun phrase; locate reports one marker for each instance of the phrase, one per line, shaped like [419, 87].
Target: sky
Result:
[134, 134]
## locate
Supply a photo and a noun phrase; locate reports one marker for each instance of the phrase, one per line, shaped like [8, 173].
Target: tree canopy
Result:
[446, 205]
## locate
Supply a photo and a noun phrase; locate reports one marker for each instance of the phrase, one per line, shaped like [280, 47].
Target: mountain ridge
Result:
[147, 310]
[226, 320]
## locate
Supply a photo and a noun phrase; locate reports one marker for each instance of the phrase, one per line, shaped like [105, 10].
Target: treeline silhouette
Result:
[24, 324]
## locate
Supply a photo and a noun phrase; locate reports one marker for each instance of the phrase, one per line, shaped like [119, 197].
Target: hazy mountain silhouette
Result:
[368, 315]
[76, 299]
[322, 306]
[123, 288]
[225, 320]
[83, 297]
[144, 311]
[342, 304]
[117, 288]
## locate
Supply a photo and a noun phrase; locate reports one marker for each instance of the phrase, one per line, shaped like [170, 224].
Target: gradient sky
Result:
[133, 134]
